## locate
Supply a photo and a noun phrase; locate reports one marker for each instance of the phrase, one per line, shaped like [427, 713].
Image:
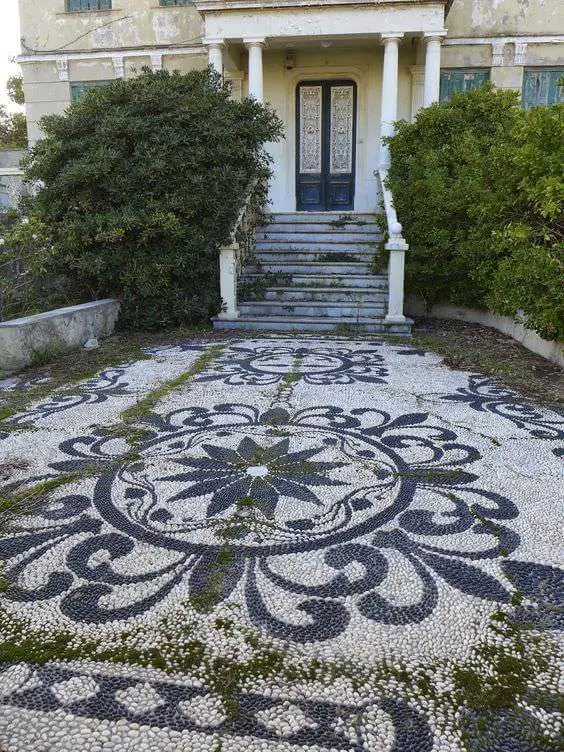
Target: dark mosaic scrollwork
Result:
[484, 395]
[319, 506]
[324, 724]
[98, 389]
[268, 364]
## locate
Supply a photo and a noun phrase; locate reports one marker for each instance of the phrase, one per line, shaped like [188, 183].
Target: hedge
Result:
[477, 184]
[141, 183]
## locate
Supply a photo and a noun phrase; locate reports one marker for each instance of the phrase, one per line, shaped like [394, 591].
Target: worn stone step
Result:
[316, 246]
[331, 294]
[297, 280]
[314, 256]
[309, 267]
[342, 310]
[345, 219]
[312, 324]
[313, 236]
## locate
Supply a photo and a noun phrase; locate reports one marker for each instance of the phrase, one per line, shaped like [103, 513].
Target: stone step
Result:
[320, 257]
[309, 267]
[321, 236]
[331, 294]
[312, 324]
[347, 311]
[317, 246]
[343, 219]
[320, 281]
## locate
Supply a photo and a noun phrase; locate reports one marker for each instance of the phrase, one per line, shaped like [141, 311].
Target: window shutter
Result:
[78, 5]
[79, 88]
[540, 87]
[461, 79]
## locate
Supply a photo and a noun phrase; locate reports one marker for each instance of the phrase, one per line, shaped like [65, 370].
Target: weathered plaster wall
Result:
[47, 27]
[480, 18]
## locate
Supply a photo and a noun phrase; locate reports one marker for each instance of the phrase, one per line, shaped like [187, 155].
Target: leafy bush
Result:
[477, 185]
[24, 291]
[141, 183]
[530, 275]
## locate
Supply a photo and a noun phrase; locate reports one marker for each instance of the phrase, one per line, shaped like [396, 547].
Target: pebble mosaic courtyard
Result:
[282, 544]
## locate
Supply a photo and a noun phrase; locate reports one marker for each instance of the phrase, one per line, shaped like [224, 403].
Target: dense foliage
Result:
[477, 184]
[141, 183]
[13, 129]
[13, 125]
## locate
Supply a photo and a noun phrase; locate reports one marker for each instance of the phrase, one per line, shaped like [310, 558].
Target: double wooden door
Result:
[326, 145]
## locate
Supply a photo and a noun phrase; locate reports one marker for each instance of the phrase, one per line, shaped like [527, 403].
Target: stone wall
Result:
[22, 340]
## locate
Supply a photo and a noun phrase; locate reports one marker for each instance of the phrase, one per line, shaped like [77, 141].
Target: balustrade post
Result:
[228, 281]
[396, 247]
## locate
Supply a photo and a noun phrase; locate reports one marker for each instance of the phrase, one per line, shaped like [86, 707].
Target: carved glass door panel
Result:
[326, 145]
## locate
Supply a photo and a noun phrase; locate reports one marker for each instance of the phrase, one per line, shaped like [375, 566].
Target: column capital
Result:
[214, 42]
[392, 37]
[254, 42]
[434, 36]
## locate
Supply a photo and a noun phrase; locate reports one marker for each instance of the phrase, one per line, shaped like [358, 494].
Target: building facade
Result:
[338, 72]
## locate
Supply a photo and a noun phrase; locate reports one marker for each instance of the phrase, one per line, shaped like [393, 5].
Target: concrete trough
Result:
[63, 329]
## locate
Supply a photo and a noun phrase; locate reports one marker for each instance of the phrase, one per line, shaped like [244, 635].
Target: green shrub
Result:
[477, 186]
[530, 275]
[142, 182]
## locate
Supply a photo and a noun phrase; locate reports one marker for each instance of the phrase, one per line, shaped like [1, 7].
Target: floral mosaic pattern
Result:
[330, 514]
[94, 391]
[485, 395]
[319, 365]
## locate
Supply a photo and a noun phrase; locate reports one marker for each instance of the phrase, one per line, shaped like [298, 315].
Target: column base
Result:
[228, 315]
[397, 320]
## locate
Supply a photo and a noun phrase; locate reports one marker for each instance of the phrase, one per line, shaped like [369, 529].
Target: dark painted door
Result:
[325, 145]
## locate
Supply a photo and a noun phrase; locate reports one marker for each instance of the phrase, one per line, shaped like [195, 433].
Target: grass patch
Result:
[145, 406]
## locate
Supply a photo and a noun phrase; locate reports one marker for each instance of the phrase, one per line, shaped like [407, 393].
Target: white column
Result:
[228, 282]
[256, 88]
[215, 54]
[389, 109]
[432, 85]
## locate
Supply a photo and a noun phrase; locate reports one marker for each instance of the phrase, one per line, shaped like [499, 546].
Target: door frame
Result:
[326, 128]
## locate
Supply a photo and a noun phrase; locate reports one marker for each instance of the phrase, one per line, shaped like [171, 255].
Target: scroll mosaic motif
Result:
[310, 129]
[342, 126]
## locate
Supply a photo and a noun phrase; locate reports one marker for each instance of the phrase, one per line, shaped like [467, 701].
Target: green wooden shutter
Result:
[78, 88]
[540, 87]
[77, 5]
[461, 79]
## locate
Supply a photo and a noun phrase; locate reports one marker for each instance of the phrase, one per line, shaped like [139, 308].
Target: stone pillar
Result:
[228, 282]
[215, 54]
[432, 84]
[389, 109]
[396, 270]
[256, 87]
[417, 84]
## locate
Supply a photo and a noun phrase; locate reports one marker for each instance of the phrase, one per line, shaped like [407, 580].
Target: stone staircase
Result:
[314, 272]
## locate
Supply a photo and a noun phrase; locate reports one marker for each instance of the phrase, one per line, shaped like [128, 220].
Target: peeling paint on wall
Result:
[165, 27]
[483, 11]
